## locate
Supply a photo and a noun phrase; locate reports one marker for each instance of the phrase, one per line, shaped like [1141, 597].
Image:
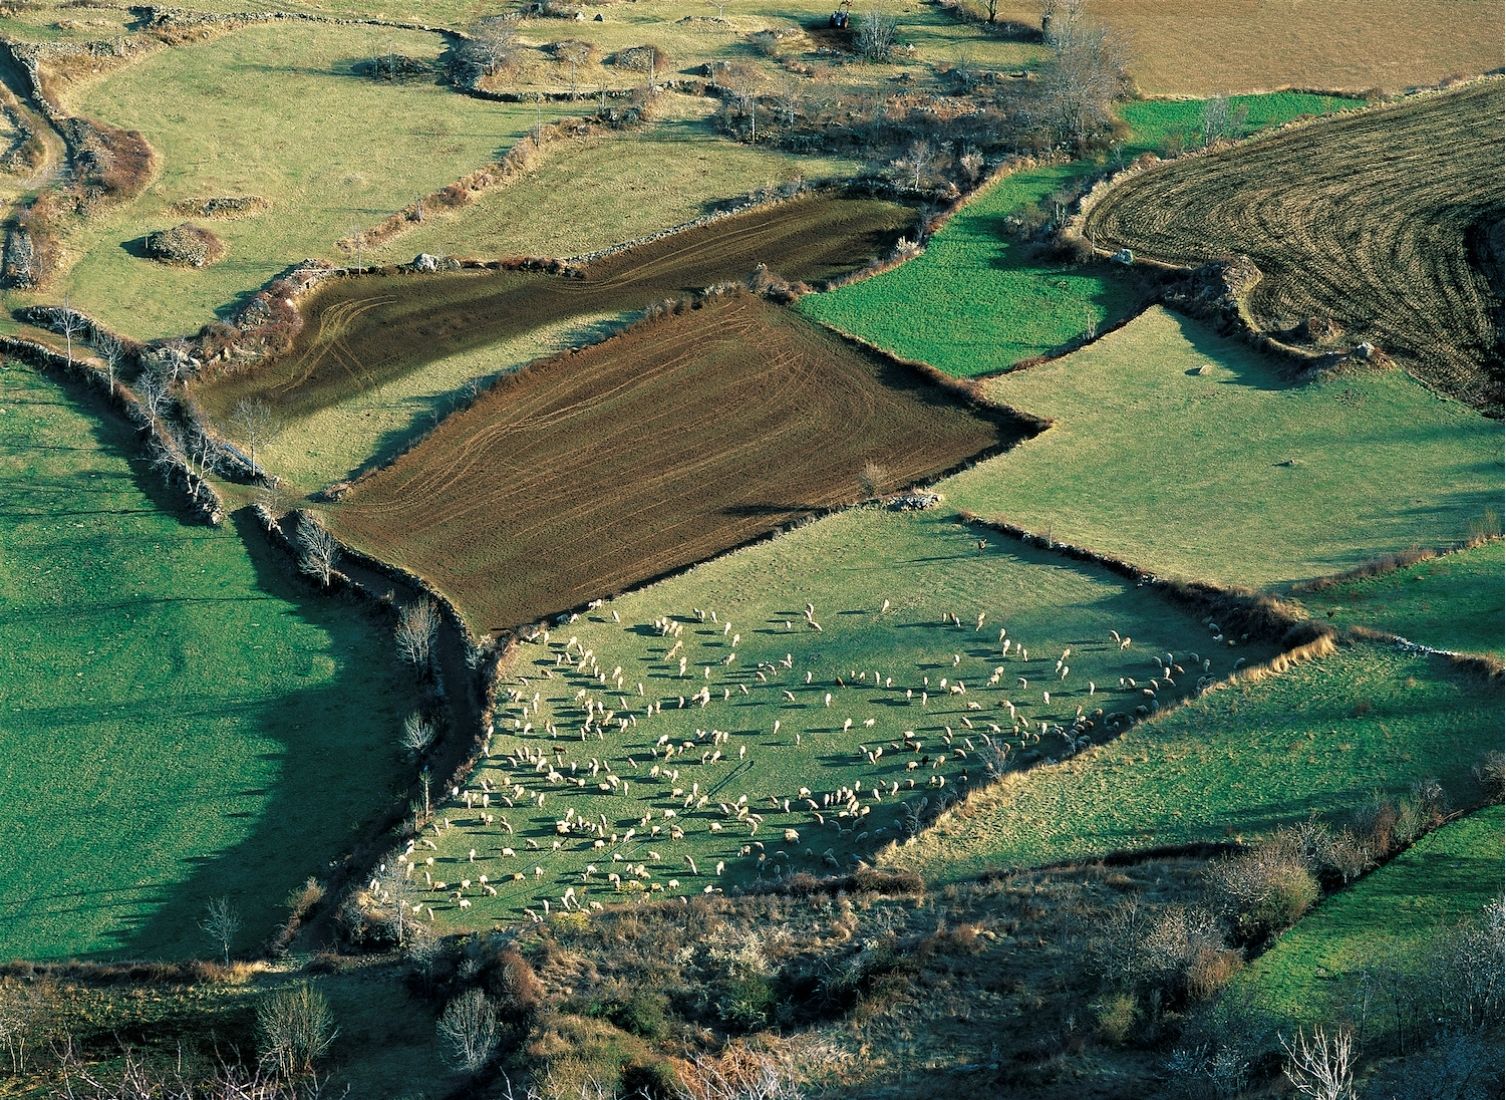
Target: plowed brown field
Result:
[1375, 219]
[360, 333]
[596, 471]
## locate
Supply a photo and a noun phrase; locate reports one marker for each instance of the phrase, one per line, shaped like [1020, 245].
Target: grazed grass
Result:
[1451, 602]
[603, 190]
[181, 722]
[278, 112]
[1216, 474]
[1388, 918]
[1171, 125]
[924, 564]
[1322, 738]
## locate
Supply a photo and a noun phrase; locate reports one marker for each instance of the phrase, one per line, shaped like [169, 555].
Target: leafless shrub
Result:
[1261, 891]
[739, 1075]
[877, 35]
[468, 1031]
[256, 423]
[1490, 772]
[417, 630]
[317, 550]
[1321, 1065]
[872, 479]
[1468, 970]
[417, 735]
[295, 1029]
[24, 1013]
[1168, 956]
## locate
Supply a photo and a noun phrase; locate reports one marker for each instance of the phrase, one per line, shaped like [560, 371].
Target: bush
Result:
[1117, 1015]
[1262, 891]
[185, 245]
[396, 67]
[1167, 958]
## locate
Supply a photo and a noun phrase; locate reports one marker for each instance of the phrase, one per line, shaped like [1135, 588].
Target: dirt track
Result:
[600, 470]
[360, 333]
[1369, 219]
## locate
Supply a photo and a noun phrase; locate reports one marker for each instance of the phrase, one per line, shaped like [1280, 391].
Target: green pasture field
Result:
[181, 720]
[925, 565]
[1450, 602]
[1388, 918]
[1235, 474]
[61, 23]
[1322, 738]
[980, 299]
[1170, 125]
[276, 112]
[600, 191]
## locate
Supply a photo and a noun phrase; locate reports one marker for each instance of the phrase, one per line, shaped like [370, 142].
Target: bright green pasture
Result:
[978, 299]
[276, 112]
[1322, 738]
[1452, 602]
[1388, 918]
[1170, 125]
[1190, 454]
[181, 720]
[925, 565]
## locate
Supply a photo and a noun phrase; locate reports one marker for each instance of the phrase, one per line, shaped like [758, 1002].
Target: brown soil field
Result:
[1377, 220]
[1202, 47]
[364, 331]
[599, 470]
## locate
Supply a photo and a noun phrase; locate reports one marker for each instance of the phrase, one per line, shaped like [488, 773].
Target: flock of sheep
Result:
[601, 782]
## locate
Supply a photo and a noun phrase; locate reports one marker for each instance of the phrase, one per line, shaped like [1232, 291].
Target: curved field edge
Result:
[1387, 919]
[1380, 239]
[1322, 738]
[1194, 455]
[178, 709]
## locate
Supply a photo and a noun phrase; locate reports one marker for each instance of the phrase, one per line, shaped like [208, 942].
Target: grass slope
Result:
[1452, 602]
[1190, 47]
[1171, 125]
[274, 111]
[1321, 738]
[1216, 475]
[925, 565]
[603, 190]
[1384, 919]
[175, 712]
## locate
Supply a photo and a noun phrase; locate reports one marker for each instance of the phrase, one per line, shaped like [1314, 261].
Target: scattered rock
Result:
[185, 245]
[912, 502]
[1123, 256]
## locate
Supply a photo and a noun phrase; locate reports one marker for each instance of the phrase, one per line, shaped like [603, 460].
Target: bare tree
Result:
[417, 629]
[22, 1014]
[417, 734]
[1085, 75]
[222, 924]
[1321, 1066]
[256, 423]
[878, 34]
[111, 351]
[317, 550]
[294, 1029]
[492, 47]
[154, 387]
[721, 8]
[70, 324]
[574, 55]
[468, 1030]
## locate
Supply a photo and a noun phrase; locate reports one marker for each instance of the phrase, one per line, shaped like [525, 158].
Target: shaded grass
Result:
[278, 112]
[1322, 738]
[1388, 918]
[925, 564]
[176, 709]
[1215, 475]
[1449, 602]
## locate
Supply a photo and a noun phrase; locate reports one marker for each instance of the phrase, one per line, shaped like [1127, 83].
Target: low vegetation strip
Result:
[1387, 921]
[175, 706]
[1325, 737]
[1191, 454]
[841, 681]
[360, 333]
[1378, 223]
[590, 473]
